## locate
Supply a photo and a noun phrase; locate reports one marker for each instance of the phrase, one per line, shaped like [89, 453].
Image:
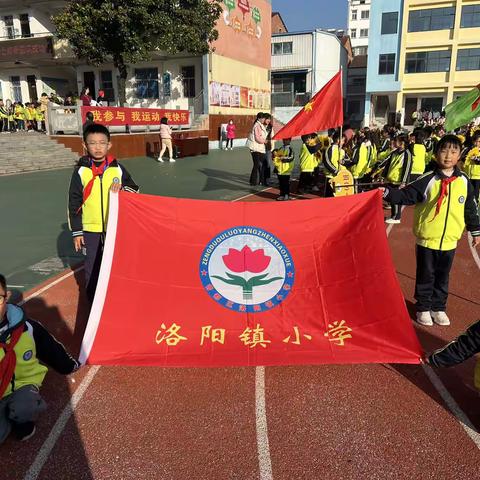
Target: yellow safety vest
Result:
[28, 370]
[97, 202]
[308, 161]
[443, 231]
[283, 168]
[471, 166]
[419, 158]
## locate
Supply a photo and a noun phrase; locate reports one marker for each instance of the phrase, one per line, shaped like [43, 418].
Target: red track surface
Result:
[328, 422]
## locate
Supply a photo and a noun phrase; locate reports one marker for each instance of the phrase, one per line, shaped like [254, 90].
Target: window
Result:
[188, 81]
[16, 89]
[353, 33]
[354, 14]
[365, 14]
[421, 62]
[389, 23]
[431, 19]
[167, 84]
[468, 59]
[386, 65]
[146, 82]
[9, 30]
[25, 25]
[360, 50]
[353, 106]
[470, 16]
[282, 48]
[363, 32]
[106, 84]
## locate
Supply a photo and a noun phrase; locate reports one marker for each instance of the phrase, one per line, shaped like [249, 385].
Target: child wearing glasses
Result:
[25, 343]
[95, 175]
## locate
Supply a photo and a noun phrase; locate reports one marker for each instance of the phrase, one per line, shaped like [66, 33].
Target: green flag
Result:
[464, 110]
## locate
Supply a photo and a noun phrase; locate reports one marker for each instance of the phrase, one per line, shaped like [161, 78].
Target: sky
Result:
[309, 14]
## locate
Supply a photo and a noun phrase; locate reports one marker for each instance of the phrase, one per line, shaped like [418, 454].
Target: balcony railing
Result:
[14, 34]
[290, 99]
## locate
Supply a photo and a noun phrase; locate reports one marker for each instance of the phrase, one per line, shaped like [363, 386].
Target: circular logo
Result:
[461, 199]
[28, 355]
[247, 269]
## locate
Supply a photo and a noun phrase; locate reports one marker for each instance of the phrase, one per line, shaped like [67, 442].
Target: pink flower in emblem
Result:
[246, 260]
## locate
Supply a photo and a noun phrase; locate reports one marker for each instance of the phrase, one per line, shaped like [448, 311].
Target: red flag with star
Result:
[323, 111]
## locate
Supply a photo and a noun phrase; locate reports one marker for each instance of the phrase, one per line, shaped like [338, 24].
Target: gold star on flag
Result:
[309, 106]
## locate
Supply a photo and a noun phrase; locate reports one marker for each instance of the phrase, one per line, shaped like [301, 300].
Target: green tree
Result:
[126, 32]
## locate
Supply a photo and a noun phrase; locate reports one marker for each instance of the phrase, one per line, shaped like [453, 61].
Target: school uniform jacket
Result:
[35, 345]
[461, 349]
[459, 209]
[92, 217]
[332, 160]
[397, 167]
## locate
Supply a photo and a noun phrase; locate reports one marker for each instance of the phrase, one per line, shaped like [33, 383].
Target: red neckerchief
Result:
[97, 171]
[443, 193]
[9, 362]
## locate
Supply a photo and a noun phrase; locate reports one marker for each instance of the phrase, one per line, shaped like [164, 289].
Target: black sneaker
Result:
[23, 431]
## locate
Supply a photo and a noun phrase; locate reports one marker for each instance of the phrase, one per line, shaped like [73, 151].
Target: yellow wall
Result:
[438, 84]
[233, 72]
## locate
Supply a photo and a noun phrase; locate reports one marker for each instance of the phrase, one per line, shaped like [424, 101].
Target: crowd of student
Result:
[19, 117]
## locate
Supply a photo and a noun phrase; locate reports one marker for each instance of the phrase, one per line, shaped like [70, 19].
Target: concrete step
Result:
[22, 152]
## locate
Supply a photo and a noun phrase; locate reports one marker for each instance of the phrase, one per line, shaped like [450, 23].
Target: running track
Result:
[322, 422]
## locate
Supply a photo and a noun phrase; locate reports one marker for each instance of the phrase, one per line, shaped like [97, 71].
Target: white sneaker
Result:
[160, 159]
[392, 221]
[172, 160]
[424, 318]
[440, 318]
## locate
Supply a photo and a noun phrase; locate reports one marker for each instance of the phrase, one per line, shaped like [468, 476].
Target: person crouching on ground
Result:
[95, 175]
[166, 139]
[25, 343]
[445, 204]
[283, 160]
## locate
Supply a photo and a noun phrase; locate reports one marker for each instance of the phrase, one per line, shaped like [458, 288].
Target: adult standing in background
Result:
[85, 97]
[256, 144]
[268, 165]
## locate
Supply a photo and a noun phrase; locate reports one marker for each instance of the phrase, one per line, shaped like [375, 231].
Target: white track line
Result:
[452, 405]
[60, 424]
[50, 285]
[261, 424]
[49, 443]
[264, 460]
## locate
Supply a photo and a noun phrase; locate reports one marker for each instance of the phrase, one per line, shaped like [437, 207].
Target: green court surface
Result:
[35, 241]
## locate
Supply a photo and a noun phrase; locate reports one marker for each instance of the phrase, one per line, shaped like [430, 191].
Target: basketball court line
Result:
[439, 386]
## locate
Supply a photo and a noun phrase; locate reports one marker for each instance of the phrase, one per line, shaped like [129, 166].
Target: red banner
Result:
[202, 283]
[116, 116]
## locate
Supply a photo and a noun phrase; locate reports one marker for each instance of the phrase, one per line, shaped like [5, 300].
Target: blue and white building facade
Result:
[383, 82]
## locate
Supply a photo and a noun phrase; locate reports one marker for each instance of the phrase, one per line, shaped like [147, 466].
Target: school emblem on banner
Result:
[247, 269]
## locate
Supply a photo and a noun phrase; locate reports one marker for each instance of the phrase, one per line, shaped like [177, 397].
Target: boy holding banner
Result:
[445, 204]
[95, 175]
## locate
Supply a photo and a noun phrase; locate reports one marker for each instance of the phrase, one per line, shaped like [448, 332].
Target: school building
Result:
[232, 82]
[422, 55]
